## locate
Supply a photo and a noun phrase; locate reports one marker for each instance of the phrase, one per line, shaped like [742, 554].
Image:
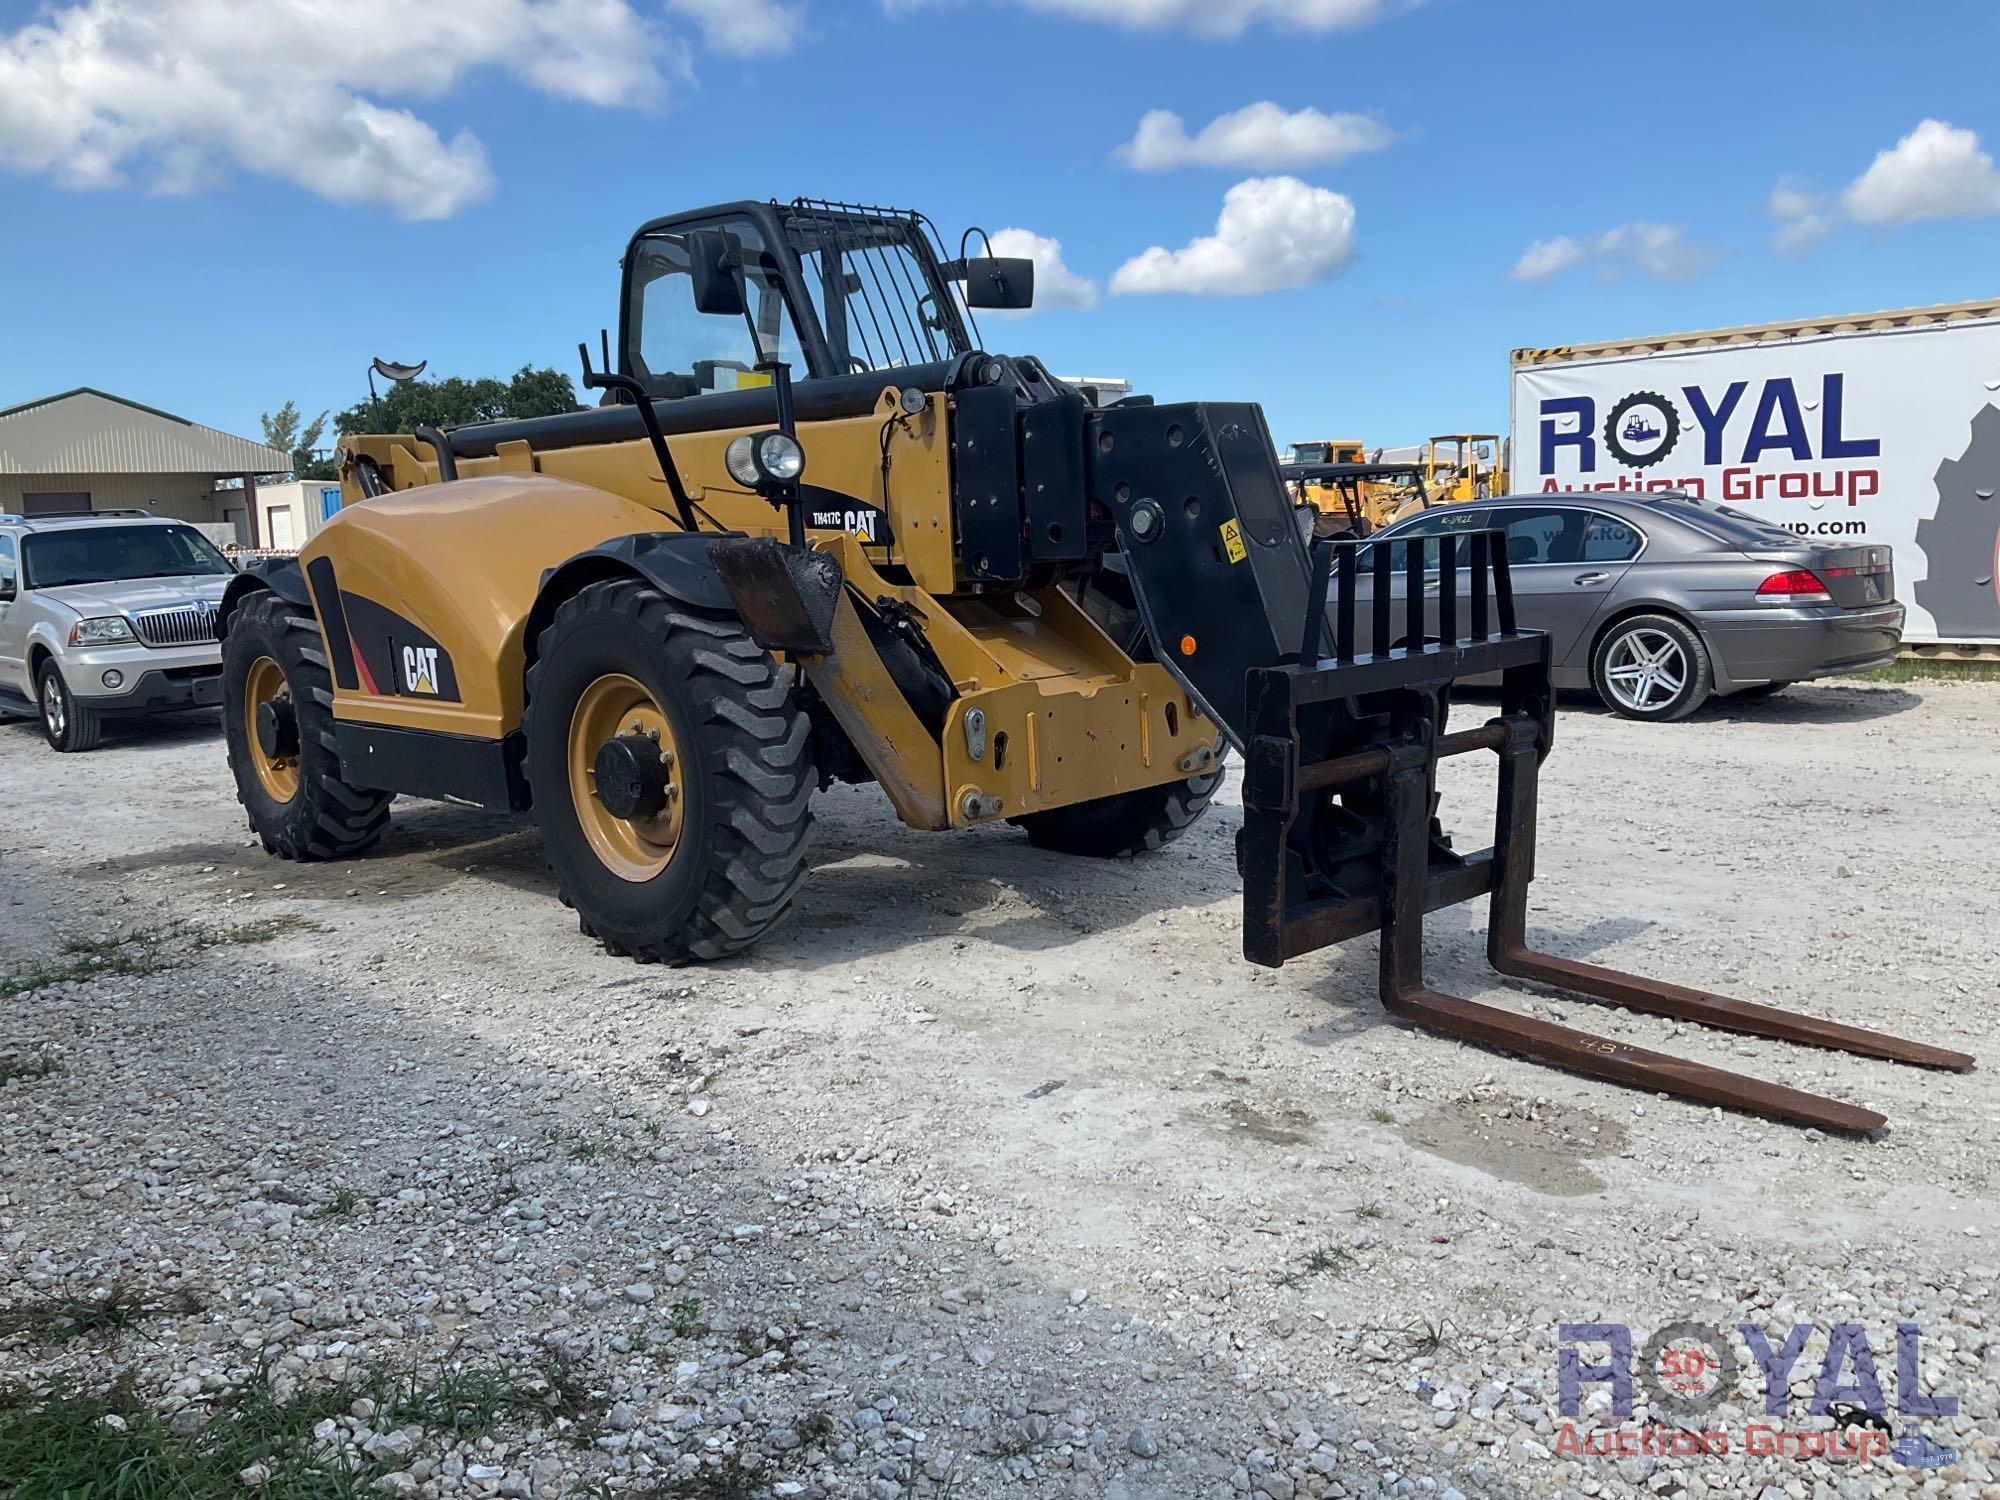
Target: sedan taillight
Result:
[1795, 586]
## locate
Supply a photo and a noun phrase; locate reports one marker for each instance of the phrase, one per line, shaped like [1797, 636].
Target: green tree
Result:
[282, 430]
[453, 401]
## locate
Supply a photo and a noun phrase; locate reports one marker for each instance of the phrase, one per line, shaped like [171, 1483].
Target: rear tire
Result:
[68, 725]
[299, 804]
[1126, 823]
[742, 774]
[1651, 667]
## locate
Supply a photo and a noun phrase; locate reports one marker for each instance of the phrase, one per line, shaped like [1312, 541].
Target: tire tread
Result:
[758, 743]
[334, 819]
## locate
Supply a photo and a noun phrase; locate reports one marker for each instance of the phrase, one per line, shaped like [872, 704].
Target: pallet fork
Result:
[1331, 673]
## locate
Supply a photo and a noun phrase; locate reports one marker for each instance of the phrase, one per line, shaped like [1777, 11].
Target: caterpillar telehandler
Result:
[661, 625]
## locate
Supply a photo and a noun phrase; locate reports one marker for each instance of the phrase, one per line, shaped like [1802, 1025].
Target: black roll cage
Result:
[775, 223]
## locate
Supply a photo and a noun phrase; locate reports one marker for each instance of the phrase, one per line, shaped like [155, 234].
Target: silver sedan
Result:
[1659, 602]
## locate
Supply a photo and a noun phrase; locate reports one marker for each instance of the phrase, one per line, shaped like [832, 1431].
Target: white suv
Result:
[109, 614]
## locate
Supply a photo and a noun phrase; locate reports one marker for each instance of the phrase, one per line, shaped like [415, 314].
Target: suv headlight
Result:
[104, 630]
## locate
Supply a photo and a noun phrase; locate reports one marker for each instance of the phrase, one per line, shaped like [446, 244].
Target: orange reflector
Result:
[1187, 645]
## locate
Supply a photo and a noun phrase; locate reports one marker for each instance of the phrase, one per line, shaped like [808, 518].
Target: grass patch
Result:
[460, 1402]
[144, 950]
[1368, 1211]
[1933, 669]
[1418, 1337]
[1323, 1261]
[816, 1426]
[339, 1206]
[26, 1068]
[684, 1317]
[727, 1480]
[1381, 1116]
[62, 1316]
[466, 1402]
[67, 1443]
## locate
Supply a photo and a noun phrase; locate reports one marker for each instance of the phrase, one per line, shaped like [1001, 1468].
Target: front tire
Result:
[1651, 667]
[277, 721]
[698, 849]
[1125, 823]
[68, 725]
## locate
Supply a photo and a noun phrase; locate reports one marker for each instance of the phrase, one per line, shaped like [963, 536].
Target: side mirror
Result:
[715, 261]
[998, 281]
[7, 588]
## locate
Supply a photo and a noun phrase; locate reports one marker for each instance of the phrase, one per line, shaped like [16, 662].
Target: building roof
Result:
[87, 431]
[1757, 333]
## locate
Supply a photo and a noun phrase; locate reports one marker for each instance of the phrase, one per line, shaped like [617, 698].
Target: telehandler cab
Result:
[661, 625]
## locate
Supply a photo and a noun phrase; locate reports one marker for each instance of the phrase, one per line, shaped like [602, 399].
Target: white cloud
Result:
[1937, 171]
[1056, 285]
[1546, 258]
[1802, 220]
[1210, 17]
[744, 28]
[175, 93]
[1261, 137]
[1273, 234]
[1659, 250]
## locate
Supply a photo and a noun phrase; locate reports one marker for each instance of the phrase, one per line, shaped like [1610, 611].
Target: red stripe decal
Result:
[361, 668]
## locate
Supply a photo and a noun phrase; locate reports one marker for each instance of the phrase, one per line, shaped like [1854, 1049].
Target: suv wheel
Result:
[1651, 667]
[69, 725]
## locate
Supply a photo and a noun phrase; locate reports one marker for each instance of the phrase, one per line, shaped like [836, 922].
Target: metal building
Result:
[86, 450]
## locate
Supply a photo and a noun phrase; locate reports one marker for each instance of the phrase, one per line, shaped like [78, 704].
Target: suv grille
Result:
[187, 625]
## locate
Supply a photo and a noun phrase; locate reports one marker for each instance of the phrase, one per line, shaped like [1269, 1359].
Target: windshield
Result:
[104, 554]
[873, 280]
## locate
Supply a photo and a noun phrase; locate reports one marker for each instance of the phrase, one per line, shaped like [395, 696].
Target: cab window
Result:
[680, 351]
[6, 565]
[1609, 539]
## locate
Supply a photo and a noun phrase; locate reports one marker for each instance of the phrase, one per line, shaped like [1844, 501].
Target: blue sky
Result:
[1513, 125]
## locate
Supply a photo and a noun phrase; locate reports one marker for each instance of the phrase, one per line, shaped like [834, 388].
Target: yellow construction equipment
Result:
[660, 627]
[1464, 466]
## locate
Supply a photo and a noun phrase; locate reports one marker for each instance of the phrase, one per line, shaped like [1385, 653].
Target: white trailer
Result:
[1883, 427]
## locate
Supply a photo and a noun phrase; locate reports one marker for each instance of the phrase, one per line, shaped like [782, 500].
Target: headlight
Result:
[102, 631]
[760, 458]
[740, 458]
[780, 456]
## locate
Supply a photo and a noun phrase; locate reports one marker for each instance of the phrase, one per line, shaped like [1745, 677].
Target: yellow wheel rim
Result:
[266, 683]
[634, 849]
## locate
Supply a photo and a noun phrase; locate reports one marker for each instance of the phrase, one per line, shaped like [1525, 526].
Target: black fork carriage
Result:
[1338, 703]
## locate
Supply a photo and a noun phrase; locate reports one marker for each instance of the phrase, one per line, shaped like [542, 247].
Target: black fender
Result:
[280, 575]
[674, 562]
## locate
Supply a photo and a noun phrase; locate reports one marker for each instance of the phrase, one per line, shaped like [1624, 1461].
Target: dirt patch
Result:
[1540, 1146]
[1283, 1127]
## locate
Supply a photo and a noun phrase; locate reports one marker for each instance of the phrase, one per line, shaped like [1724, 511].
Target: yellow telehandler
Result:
[819, 533]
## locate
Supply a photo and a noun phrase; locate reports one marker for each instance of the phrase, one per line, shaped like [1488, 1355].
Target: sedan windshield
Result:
[105, 554]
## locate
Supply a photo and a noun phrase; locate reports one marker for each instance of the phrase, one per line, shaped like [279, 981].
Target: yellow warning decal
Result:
[1232, 541]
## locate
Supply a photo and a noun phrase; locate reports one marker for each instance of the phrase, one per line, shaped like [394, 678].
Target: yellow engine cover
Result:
[431, 587]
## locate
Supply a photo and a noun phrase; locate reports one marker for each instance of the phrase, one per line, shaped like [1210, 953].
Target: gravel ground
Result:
[992, 1173]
